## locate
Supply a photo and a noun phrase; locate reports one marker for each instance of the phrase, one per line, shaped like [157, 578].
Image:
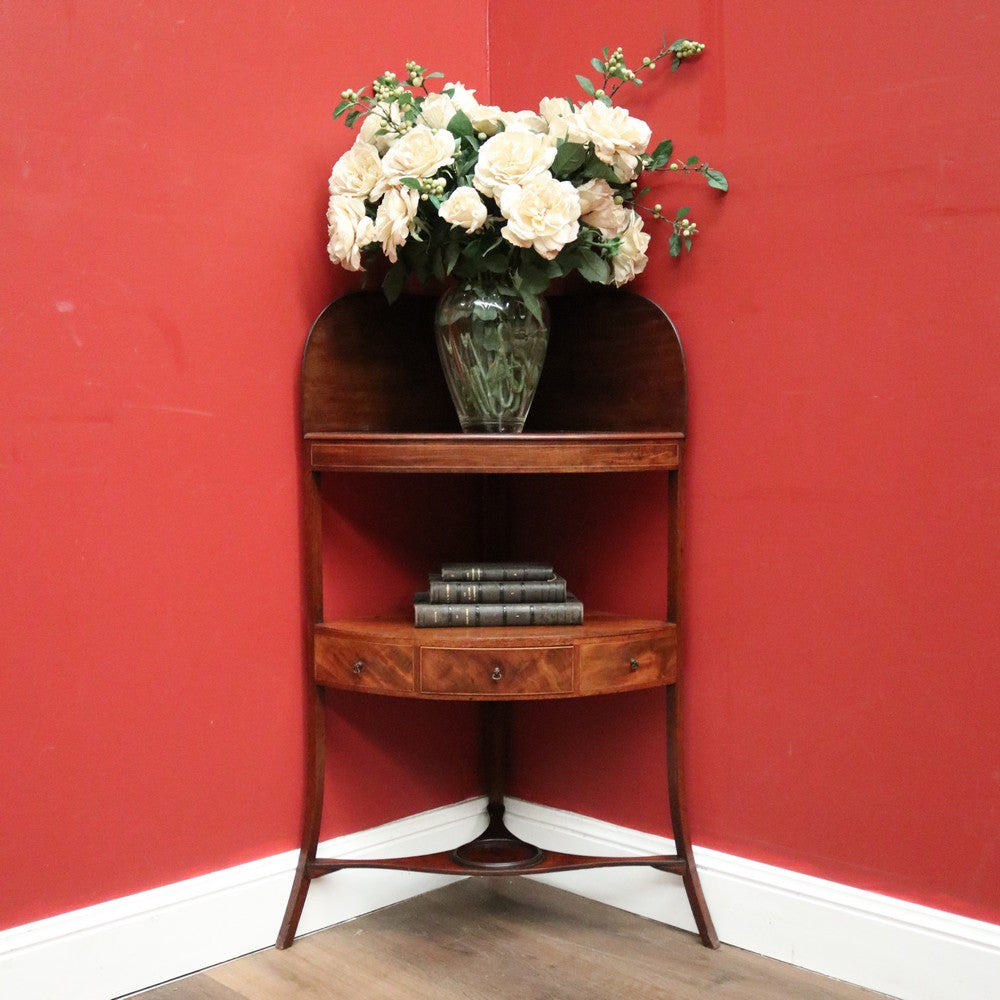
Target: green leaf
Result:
[410, 182]
[570, 156]
[533, 305]
[451, 256]
[438, 266]
[675, 245]
[492, 341]
[661, 155]
[593, 267]
[588, 87]
[352, 118]
[693, 160]
[682, 212]
[567, 260]
[494, 264]
[485, 313]
[687, 243]
[600, 169]
[393, 282]
[433, 76]
[716, 179]
[461, 125]
[341, 108]
[534, 272]
[598, 65]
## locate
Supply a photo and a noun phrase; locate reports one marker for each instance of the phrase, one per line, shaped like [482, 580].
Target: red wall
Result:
[163, 188]
[163, 192]
[840, 321]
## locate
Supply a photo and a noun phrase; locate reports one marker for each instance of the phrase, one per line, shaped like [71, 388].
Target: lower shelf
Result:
[445, 863]
[496, 851]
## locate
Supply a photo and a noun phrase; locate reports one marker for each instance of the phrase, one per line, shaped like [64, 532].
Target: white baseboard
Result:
[115, 948]
[894, 947]
[129, 944]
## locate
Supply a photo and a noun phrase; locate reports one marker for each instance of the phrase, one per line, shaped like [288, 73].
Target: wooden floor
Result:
[503, 939]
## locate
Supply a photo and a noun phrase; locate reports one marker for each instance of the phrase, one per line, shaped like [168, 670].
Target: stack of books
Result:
[471, 594]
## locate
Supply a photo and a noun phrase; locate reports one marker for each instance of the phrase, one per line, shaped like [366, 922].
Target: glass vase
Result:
[492, 350]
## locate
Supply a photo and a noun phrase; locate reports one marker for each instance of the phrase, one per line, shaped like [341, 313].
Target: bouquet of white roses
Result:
[441, 185]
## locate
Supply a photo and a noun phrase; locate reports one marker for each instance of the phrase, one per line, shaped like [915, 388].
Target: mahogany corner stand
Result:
[612, 399]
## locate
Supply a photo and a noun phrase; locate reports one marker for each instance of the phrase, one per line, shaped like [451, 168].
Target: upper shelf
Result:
[613, 378]
[494, 452]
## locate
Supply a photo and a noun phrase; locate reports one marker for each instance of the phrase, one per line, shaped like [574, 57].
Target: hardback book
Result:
[427, 615]
[495, 591]
[496, 571]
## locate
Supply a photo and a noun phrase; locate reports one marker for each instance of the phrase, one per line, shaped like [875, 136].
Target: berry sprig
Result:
[615, 73]
[613, 68]
[387, 91]
[418, 76]
[694, 165]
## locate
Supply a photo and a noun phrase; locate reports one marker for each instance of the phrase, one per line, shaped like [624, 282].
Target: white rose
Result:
[551, 108]
[511, 158]
[598, 208]
[392, 220]
[421, 152]
[463, 98]
[544, 214]
[555, 112]
[357, 171]
[437, 110]
[464, 208]
[486, 118]
[618, 138]
[523, 121]
[349, 229]
[631, 258]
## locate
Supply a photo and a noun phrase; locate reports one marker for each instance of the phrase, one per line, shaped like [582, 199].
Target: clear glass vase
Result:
[492, 350]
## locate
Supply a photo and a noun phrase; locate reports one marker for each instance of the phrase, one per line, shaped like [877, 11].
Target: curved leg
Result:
[313, 813]
[678, 819]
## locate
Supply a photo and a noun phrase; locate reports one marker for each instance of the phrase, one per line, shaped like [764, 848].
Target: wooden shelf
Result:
[606, 654]
[596, 626]
[491, 453]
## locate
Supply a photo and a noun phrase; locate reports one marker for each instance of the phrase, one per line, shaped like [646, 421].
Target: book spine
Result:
[496, 571]
[427, 615]
[496, 591]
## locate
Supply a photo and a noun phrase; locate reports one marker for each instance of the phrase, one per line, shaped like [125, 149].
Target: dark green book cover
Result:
[428, 615]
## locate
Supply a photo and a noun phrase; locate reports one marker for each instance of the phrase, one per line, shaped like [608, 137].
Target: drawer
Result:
[496, 673]
[345, 662]
[623, 664]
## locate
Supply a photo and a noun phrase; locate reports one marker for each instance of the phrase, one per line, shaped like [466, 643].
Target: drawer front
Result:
[496, 673]
[621, 664]
[364, 666]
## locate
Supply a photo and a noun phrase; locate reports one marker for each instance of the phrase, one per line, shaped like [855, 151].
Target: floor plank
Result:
[503, 939]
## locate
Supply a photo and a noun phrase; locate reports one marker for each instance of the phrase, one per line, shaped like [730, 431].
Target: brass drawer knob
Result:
[633, 664]
[496, 675]
[358, 667]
